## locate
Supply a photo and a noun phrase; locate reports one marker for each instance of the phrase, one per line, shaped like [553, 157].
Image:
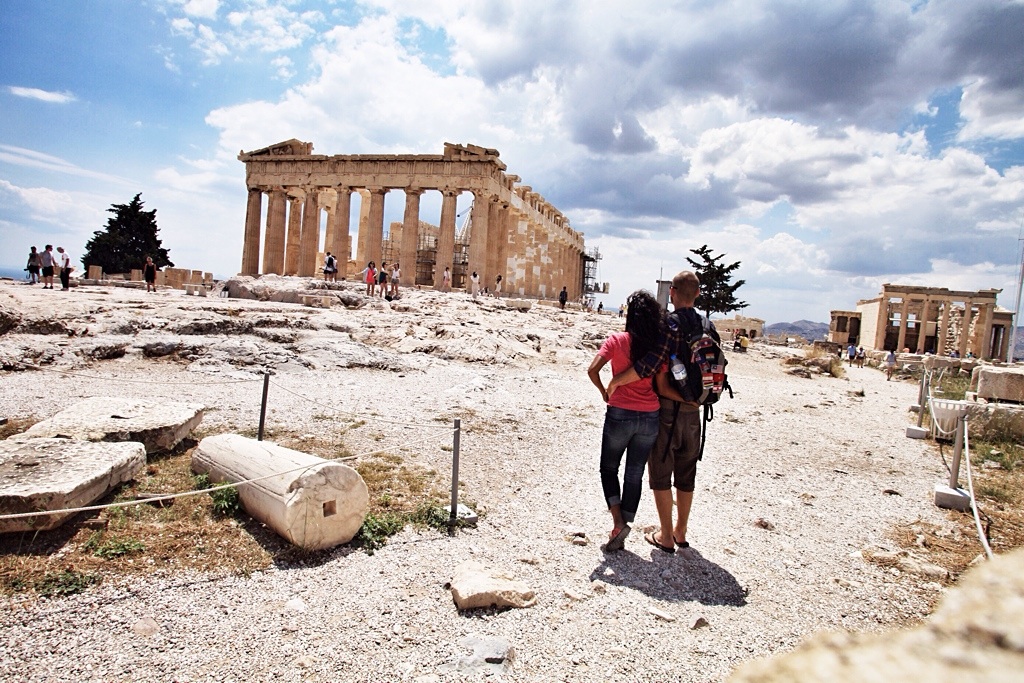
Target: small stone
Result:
[146, 626]
[599, 586]
[295, 605]
[576, 540]
[572, 595]
[530, 559]
[892, 492]
[764, 524]
[729, 551]
[661, 615]
[699, 622]
[304, 662]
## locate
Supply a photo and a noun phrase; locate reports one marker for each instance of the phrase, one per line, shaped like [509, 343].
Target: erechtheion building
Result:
[512, 230]
[927, 320]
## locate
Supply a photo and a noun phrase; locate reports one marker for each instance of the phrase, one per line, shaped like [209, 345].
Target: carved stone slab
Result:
[159, 426]
[311, 502]
[55, 474]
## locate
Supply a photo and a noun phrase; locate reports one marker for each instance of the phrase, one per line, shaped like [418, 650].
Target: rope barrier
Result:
[974, 502]
[185, 494]
[68, 373]
[361, 416]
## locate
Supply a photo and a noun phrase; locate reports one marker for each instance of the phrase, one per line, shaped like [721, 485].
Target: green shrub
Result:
[67, 582]
[225, 501]
[376, 530]
[114, 547]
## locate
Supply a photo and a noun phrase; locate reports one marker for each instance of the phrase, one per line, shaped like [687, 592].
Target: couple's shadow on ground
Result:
[686, 576]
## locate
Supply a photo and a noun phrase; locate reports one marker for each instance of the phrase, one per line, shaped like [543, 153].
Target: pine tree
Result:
[130, 237]
[717, 294]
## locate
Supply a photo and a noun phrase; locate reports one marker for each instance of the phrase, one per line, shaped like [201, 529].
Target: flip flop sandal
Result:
[649, 537]
[618, 541]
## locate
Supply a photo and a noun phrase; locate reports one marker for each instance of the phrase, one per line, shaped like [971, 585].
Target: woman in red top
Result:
[631, 420]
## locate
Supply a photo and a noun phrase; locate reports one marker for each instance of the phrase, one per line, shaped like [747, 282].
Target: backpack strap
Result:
[709, 415]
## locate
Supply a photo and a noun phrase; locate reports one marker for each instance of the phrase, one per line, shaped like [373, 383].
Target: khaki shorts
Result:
[674, 456]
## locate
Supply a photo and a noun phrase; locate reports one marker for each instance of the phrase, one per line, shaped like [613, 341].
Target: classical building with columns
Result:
[927, 320]
[513, 231]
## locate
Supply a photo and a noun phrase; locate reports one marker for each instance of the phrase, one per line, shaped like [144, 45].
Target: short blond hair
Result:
[687, 284]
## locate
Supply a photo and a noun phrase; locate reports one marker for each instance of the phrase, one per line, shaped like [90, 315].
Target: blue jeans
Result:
[631, 432]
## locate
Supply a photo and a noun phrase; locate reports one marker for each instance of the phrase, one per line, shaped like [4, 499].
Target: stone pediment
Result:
[291, 147]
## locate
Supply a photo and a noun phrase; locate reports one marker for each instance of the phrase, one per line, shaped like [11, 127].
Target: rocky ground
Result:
[802, 479]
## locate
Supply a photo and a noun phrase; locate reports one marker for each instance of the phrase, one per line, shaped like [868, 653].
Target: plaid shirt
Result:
[659, 355]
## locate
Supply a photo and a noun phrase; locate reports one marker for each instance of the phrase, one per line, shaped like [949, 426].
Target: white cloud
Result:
[20, 156]
[991, 114]
[42, 95]
[284, 66]
[205, 9]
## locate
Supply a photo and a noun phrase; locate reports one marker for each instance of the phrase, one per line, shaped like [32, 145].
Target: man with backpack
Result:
[689, 371]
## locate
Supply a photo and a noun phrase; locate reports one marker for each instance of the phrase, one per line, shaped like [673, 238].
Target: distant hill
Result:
[803, 328]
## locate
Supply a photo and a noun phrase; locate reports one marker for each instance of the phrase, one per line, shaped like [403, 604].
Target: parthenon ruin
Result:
[927, 320]
[512, 231]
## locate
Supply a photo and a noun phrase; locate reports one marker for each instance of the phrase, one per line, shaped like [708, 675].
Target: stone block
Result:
[915, 432]
[1001, 383]
[95, 273]
[135, 275]
[159, 426]
[57, 474]
[940, 362]
[952, 499]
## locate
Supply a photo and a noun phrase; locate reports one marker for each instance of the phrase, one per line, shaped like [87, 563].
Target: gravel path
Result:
[810, 457]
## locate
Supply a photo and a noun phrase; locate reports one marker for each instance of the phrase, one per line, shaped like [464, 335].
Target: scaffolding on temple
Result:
[591, 257]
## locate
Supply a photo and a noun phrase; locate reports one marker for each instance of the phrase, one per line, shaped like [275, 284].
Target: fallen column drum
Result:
[315, 504]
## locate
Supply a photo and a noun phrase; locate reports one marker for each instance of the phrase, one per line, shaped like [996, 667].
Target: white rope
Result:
[133, 381]
[974, 502]
[361, 416]
[170, 496]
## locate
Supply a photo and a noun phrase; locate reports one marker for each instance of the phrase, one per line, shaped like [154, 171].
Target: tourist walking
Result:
[631, 418]
[563, 296]
[851, 354]
[890, 365]
[446, 280]
[330, 268]
[33, 266]
[65, 269]
[474, 284]
[396, 277]
[149, 274]
[370, 278]
[497, 287]
[382, 279]
[860, 357]
[46, 263]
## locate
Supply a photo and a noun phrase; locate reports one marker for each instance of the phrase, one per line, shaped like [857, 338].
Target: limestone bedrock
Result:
[157, 426]
[56, 474]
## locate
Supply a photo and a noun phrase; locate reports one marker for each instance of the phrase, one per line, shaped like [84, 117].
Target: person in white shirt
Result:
[446, 280]
[474, 284]
[396, 275]
[65, 270]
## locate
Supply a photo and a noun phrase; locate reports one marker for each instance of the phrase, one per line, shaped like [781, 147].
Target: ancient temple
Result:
[513, 231]
[927, 320]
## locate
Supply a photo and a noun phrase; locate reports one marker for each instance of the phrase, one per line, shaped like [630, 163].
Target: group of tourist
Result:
[383, 281]
[650, 422]
[41, 266]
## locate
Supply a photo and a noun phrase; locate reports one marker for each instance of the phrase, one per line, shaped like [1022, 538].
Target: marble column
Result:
[291, 254]
[532, 264]
[273, 250]
[965, 328]
[905, 311]
[980, 341]
[943, 328]
[363, 230]
[494, 234]
[342, 247]
[923, 331]
[310, 241]
[251, 240]
[545, 281]
[445, 236]
[478, 237]
[375, 225]
[410, 236]
[882, 322]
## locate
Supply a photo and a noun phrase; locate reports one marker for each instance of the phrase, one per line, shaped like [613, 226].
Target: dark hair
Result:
[645, 322]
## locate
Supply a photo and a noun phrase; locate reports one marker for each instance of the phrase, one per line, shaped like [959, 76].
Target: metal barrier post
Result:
[263, 404]
[453, 515]
[958, 449]
[922, 398]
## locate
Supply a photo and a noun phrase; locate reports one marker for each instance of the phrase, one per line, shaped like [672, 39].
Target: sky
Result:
[828, 147]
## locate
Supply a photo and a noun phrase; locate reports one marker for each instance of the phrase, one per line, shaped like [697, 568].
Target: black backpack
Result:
[700, 350]
[330, 262]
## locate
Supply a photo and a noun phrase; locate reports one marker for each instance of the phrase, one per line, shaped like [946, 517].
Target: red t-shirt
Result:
[638, 395]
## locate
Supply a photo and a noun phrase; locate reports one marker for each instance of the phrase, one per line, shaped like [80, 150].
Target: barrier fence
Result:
[443, 430]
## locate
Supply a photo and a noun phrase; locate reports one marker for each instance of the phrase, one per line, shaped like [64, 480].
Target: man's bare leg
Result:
[684, 499]
[663, 503]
